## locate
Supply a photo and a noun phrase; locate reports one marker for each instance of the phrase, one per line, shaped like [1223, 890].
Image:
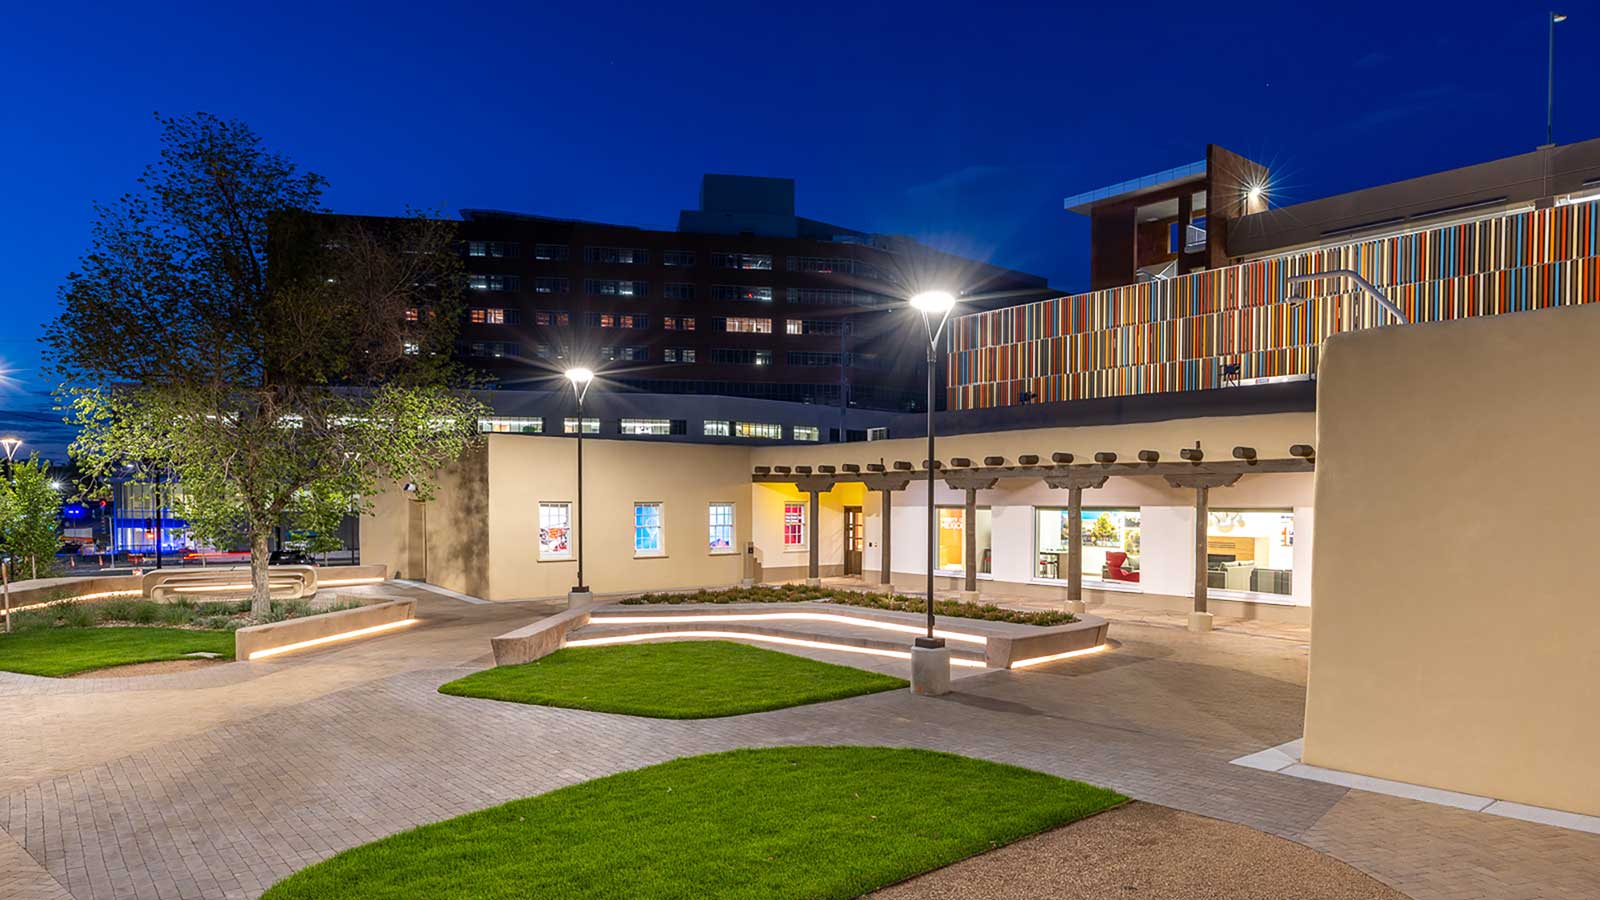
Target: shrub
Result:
[181, 613]
[77, 615]
[799, 593]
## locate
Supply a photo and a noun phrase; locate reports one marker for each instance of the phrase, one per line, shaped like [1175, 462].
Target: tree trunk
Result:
[260, 589]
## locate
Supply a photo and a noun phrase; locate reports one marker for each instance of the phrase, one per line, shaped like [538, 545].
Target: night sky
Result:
[962, 124]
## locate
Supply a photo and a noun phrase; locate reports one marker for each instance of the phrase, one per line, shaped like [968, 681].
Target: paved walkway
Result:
[216, 783]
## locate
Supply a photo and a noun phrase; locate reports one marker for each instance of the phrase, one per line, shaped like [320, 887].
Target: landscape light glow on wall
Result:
[100, 596]
[343, 636]
[346, 582]
[786, 616]
[760, 638]
[1039, 660]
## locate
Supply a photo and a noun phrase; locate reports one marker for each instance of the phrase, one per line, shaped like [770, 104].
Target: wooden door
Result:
[855, 535]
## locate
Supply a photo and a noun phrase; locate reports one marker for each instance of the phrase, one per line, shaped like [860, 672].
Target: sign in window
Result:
[794, 525]
[555, 531]
[720, 528]
[647, 530]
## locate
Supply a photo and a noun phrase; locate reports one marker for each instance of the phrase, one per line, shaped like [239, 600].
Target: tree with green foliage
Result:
[272, 361]
[30, 516]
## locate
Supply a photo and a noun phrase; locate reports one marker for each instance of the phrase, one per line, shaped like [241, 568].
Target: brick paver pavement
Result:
[216, 783]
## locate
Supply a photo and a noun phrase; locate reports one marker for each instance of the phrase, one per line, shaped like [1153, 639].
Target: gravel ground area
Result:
[1143, 850]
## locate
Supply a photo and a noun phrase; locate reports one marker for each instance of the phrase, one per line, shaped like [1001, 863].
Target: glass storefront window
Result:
[953, 540]
[1250, 550]
[1111, 549]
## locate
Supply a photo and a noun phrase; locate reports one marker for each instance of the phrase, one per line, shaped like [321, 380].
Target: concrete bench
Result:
[540, 639]
[257, 641]
[284, 582]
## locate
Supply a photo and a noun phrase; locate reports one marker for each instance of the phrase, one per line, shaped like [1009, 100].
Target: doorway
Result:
[855, 534]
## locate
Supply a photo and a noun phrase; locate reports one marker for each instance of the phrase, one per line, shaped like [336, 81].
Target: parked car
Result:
[291, 557]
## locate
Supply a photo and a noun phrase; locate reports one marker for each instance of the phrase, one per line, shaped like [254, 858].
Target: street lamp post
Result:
[1550, 82]
[581, 378]
[930, 659]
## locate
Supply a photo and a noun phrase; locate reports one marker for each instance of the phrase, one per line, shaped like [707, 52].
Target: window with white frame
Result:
[717, 428]
[771, 430]
[807, 433]
[555, 530]
[719, 528]
[794, 526]
[649, 535]
[590, 426]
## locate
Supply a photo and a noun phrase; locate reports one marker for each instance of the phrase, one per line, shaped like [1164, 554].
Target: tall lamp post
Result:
[581, 379]
[9, 445]
[1550, 81]
[930, 659]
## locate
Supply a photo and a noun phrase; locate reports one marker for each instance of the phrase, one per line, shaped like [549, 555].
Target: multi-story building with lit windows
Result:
[745, 299]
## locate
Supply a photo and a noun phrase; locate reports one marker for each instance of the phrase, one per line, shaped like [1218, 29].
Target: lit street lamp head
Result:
[580, 376]
[10, 445]
[934, 302]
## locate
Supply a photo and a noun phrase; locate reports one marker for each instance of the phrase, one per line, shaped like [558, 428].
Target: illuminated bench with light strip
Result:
[291, 635]
[887, 633]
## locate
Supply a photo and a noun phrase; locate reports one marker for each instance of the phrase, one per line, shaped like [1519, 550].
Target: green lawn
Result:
[814, 822]
[673, 680]
[65, 651]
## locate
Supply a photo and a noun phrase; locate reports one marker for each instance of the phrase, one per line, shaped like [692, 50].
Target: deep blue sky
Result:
[963, 124]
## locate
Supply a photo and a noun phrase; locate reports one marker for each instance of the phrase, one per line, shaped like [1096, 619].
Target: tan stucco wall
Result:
[1457, 617]
[685, 478]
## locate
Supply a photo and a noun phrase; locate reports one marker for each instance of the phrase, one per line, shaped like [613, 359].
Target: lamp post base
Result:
[930, 667]
[1199, 622]
[969, 596]
[579, 596]
[813, 582]
[1076, 607]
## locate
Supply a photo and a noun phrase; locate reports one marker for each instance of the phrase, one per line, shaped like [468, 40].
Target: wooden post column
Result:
[1200, 618]
[1075, 481]
[972, 483]
[1074, 549]
[813, 570]
[815, 486]
[886, 528]
[969, 528]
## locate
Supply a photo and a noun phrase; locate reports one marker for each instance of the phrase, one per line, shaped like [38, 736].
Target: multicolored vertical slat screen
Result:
[1180, 334]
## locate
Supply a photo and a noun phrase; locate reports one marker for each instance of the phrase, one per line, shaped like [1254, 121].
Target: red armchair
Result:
[1115, 570]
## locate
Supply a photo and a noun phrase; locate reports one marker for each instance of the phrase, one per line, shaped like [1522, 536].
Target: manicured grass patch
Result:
[815, 822]
[800, 593]
[66, 651]
[674, 680]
